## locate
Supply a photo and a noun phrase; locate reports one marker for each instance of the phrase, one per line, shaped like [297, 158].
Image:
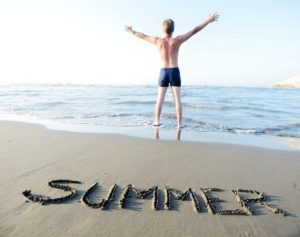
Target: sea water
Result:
[232, 110]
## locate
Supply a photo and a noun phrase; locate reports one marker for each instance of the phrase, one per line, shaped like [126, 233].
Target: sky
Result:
[254, 43]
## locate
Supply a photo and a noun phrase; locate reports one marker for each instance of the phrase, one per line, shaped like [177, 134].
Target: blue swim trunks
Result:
[169, 76]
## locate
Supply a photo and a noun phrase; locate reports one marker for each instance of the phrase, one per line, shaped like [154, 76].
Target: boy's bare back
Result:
[168, 49]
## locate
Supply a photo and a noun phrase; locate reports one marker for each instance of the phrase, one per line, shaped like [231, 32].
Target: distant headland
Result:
[293, 82]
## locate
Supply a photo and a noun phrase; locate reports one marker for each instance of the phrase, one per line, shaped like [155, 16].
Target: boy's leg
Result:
[177, 99]
[159, 103]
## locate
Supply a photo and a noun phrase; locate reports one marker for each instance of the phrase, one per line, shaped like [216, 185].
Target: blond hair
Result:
[168, 26]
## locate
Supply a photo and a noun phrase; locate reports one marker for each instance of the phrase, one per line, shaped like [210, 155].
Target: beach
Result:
[94, 143]
[32, 155]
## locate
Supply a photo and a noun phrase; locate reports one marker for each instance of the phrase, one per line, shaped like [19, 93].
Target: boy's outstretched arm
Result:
[211, 18]
[148, 38]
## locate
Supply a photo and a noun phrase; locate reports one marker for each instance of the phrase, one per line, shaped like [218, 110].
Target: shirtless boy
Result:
[169, 74]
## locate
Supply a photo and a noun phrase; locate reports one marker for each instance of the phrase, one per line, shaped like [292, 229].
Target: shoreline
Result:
[256, 117]
[147, 132]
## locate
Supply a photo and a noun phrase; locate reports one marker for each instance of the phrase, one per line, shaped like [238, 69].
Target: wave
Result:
[116, 115]
[48, 104]
[140, 102]
[122, 115]
[65, 117]
[202, 106]
[193, 123]
[252, 108]
[232, 108]
[290, 130]
[92, 116]
[134, 102]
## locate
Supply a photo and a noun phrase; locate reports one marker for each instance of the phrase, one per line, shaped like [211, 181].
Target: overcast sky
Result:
[254, 43]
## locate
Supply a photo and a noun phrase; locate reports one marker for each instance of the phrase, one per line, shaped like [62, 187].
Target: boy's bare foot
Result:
[180, 126]
[157, 125]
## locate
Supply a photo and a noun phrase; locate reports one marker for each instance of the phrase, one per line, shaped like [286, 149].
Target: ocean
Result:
[234, 110]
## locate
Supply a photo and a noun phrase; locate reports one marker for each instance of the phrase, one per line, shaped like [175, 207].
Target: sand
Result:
[31, 156]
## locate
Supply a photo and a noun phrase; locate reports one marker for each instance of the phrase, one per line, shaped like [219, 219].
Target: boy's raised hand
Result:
[213, 17]
[128, 28]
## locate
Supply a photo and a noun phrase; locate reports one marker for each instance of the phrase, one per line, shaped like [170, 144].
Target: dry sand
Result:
[30, 156]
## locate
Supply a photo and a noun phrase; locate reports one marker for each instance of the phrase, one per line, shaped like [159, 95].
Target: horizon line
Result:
[122, 84]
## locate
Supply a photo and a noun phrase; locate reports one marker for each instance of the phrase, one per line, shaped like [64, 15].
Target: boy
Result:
[169, 74]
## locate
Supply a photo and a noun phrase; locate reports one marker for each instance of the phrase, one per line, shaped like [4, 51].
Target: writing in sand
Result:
[201, 202]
